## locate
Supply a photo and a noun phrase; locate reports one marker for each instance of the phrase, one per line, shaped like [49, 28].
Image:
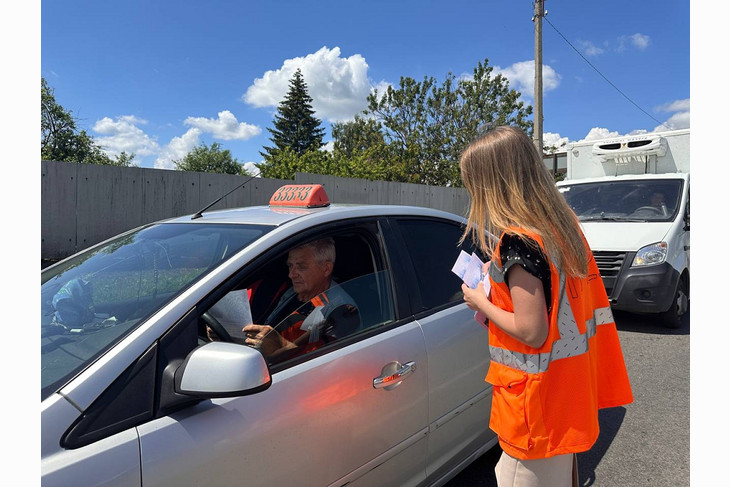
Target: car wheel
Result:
[672, 318]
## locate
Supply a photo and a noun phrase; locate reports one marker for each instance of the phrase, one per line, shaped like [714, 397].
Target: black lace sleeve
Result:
[515, 249]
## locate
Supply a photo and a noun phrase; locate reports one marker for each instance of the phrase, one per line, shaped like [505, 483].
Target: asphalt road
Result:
[645, 443]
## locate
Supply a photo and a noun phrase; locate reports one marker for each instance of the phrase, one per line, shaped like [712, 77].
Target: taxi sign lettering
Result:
[300, 195]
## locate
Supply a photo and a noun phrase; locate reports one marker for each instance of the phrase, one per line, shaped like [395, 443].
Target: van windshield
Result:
[636, 200]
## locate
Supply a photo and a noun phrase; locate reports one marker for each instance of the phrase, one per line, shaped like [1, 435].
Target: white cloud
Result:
[521, 77]
[680, 115]
[550, 139]
[675, 122]
[675, 106]
[338, 86]
[590, 49]
[178, 148]
[679, 119]
[123, 134]
[639, 41]
[597, 133]
[381, 88]
[251, 168]
[225, 127]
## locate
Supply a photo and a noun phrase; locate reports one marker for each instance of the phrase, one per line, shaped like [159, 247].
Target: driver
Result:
[657, 201]
[309, 312]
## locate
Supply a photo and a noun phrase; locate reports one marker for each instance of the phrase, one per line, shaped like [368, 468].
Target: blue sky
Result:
[157, 78]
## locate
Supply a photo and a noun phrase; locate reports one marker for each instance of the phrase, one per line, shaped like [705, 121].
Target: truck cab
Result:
[631, 195]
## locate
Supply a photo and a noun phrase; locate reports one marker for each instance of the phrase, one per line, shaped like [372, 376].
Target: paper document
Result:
[470, 269]
[233, 312]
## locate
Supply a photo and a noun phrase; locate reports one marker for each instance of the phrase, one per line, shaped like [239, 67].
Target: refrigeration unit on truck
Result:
[631, 195]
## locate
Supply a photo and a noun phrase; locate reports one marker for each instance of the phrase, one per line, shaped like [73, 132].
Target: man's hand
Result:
[266, 339]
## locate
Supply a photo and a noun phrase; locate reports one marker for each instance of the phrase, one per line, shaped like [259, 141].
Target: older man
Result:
[308, 311]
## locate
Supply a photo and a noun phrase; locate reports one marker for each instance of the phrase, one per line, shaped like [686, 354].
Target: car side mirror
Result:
[220, 369]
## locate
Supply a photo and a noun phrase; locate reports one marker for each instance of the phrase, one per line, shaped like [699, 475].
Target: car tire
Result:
[672, 318]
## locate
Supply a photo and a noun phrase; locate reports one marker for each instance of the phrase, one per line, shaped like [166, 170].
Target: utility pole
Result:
[538, 118]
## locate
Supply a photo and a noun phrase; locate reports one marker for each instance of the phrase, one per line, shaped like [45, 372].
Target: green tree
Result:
[285, 163]
[360, 150]
[295, 126]
[61, 140]
[360, 134]
[427, 125]
[210, 159]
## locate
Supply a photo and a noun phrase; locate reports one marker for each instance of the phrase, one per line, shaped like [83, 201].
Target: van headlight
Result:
[651, 254]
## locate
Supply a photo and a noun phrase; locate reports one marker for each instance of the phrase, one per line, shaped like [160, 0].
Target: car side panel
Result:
[111, 461]
[459, 398]
[304, 428]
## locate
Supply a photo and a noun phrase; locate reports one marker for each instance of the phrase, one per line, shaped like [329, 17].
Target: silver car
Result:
[147, 380]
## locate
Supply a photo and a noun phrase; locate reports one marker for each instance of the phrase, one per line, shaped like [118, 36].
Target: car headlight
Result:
[651, 254]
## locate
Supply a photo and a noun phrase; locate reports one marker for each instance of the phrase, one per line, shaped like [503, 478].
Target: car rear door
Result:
[457, 346]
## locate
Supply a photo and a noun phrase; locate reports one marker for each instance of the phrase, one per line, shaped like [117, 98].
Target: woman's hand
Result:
[475, 298]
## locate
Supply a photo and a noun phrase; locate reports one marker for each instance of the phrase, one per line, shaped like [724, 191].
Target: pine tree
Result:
[295, 126]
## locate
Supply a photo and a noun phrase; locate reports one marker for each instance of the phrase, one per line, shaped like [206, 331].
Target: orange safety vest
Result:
[545, 400]
[293, 332]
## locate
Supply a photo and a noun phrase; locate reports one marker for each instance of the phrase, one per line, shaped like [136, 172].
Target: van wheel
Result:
[672, 318]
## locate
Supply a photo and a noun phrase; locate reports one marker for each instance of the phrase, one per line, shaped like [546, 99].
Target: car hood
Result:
[624, 236]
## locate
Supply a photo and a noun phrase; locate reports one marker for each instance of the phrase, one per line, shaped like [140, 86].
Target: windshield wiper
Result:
[603, 218]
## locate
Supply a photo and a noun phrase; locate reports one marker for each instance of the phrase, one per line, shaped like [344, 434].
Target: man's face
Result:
[308, 277]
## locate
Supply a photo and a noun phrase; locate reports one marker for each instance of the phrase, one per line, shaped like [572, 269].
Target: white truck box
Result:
[631, 195]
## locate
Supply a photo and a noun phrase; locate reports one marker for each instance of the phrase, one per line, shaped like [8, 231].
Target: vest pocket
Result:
[509, 413]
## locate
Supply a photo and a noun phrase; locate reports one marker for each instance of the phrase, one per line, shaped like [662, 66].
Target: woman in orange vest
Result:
[555, 356]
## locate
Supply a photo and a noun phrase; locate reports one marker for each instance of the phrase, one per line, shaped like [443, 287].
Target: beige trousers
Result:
[555, 471]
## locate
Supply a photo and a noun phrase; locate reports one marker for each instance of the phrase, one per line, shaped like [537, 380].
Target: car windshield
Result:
[635, 200]
[91, 301]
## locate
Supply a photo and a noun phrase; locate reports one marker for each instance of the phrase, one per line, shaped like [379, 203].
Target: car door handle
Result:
[393, 374]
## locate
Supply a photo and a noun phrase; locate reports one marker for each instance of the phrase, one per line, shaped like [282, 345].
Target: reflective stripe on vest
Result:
[571, 343]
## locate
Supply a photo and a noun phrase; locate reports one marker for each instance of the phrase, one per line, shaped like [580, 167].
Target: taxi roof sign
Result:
[300, 196]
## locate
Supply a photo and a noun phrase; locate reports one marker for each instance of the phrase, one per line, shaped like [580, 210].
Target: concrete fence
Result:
[83, 204]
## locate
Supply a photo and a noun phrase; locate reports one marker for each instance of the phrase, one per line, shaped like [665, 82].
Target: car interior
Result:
[358, 270]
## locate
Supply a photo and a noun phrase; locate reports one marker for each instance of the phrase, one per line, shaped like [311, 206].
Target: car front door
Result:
[354, 412]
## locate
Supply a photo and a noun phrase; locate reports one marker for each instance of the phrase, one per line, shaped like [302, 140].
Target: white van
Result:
[631, 195]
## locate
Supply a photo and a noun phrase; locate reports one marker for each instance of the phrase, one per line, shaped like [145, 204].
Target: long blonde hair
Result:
[511, 190]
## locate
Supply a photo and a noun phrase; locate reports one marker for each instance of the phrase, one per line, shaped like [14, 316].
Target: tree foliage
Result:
[359, 151]
[295, 126]
[414, 132]
[61, 140]
[210, 159]
[426, 125]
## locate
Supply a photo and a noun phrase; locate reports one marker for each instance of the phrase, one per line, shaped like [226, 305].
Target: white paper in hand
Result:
[487, 284]
[461, 264]
[473, 273]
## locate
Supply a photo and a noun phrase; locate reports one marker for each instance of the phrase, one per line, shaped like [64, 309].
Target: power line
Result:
[603, 76]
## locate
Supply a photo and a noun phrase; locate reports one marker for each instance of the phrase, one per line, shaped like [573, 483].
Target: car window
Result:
[358, 298]
[92, 301]
[433, 246]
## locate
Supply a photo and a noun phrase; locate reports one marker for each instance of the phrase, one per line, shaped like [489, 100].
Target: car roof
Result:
[277, 216]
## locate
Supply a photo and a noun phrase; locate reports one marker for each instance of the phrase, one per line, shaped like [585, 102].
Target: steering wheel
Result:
[216, 326]
[652, 208]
